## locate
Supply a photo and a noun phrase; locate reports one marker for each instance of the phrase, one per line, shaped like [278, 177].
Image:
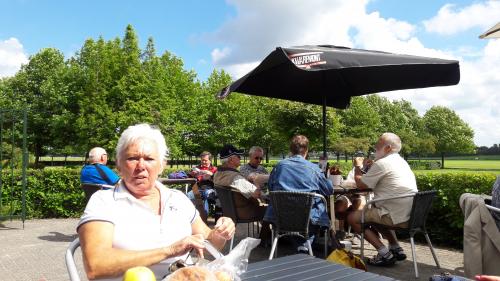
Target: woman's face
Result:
[140, 167]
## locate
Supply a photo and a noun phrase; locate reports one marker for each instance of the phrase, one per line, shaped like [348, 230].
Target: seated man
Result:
[96, 171]
[204, 174]
[253, 171]
[297, 174]
[247, 205]
[389, 176]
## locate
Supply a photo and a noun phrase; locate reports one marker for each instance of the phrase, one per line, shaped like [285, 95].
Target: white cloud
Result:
[12, 56]
[260, 26]
[452, 20]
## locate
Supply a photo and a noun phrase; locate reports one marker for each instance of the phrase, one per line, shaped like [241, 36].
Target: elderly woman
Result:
[141, 222]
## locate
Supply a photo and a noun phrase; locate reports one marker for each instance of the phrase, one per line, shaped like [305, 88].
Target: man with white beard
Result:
[389, 176]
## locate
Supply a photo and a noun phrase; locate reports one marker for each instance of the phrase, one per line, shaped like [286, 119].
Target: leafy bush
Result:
[446, 221]
[50, 193]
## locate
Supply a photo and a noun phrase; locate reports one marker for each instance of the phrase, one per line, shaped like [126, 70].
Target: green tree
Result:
[361, 120]
[451, 133]
[39, 88]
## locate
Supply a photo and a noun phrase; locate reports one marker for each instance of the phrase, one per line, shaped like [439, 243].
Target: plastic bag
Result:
[236, 262]
[223, 268]
[341, 256]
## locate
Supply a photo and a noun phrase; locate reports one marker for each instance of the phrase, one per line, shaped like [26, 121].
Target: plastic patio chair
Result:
[292, 215]
[70, 260]
[422, 203]
[226, 196]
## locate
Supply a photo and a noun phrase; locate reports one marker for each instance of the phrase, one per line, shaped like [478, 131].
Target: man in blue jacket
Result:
[298, 174]
[96, 172]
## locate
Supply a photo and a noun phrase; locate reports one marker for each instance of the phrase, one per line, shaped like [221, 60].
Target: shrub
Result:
[446, 221]
[50, 193]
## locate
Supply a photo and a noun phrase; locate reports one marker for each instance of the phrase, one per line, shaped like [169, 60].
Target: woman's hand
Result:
[185, 245]
[224, 228]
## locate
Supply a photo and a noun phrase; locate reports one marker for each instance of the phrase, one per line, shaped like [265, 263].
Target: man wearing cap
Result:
[297, 174]
[227, 176]
[96, 171]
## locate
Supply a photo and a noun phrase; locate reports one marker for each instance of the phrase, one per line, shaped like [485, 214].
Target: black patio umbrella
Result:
[330, 75]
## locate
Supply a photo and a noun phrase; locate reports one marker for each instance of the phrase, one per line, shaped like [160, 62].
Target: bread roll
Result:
[192, 273]
[223, 276]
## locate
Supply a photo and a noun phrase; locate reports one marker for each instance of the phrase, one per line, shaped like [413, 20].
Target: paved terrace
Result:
[37, 253]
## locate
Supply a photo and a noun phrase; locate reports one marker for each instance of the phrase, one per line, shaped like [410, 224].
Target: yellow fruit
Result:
[139, 273]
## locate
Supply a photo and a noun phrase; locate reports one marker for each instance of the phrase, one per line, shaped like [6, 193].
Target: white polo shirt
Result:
[137, 227]
[388, 177]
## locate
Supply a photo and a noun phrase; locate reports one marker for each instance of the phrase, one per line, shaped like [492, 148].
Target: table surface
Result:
[305, 267]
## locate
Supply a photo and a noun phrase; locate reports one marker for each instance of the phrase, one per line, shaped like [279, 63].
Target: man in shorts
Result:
[389, 176]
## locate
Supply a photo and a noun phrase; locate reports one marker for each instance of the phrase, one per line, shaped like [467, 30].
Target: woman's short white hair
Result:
[142, 132]
[393, 141]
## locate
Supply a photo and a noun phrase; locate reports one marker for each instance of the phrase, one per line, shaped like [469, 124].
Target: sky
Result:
[235, 35]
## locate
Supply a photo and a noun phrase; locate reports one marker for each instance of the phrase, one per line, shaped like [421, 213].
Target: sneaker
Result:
[385, 260]
[398, 253]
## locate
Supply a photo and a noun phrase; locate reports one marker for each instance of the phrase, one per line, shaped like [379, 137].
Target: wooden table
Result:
[305, 267]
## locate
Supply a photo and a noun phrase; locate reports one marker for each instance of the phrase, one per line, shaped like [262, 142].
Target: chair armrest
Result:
[106, 186]
[371, 202]
[494, 209]
[322, 198]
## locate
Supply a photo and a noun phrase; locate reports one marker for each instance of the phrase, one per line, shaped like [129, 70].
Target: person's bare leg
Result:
[354, 220]
[390, 235]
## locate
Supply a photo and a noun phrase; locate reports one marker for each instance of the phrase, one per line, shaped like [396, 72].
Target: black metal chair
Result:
[422, 203]
[292, 215]
[226, 197]
[90, 188]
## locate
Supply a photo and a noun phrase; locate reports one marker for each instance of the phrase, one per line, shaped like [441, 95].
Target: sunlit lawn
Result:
[486, 166]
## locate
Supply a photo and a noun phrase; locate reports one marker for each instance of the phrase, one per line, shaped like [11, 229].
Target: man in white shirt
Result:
[389, 176]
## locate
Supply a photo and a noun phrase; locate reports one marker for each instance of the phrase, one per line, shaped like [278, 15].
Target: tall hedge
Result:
[445, 222]
[56, 193]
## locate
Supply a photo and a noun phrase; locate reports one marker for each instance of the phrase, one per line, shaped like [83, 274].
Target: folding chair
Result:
[292, 215]
[422, 203]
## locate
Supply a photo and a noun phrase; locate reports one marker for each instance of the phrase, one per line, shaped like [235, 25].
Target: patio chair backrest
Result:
[225, 195]
[292, 210]
[422, 203]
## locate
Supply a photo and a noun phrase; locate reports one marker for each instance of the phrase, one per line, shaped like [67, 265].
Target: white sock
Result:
[383, 251]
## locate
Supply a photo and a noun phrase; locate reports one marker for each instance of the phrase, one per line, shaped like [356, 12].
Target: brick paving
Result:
[37, 253]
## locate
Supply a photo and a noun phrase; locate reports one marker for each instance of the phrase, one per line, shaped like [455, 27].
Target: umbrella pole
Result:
[324, 126]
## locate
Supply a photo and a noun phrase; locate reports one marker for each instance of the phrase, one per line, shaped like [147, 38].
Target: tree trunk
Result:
[338, 157]
[442, 160]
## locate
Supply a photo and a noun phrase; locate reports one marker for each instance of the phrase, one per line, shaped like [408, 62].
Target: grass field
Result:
[452, 165]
